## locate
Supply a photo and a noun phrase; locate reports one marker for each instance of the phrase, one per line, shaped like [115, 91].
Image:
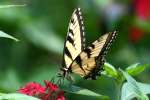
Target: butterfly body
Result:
[84, 61]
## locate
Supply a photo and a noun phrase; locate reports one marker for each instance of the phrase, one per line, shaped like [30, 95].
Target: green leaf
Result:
[128, 94]
[136, 68]
[110, 70]
[80, 91]
[131, 89]
[133, 83]
[9, 6]
[145, 88]
[16, 96]
[2, 34]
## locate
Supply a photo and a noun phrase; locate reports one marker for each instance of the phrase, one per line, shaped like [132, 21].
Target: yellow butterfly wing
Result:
[75, 41]
[90, 61]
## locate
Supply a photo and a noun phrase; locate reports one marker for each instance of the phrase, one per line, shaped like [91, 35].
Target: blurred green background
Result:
[41, 27]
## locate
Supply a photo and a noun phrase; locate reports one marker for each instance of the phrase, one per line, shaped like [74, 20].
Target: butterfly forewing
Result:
[75, 41]
[86, 63]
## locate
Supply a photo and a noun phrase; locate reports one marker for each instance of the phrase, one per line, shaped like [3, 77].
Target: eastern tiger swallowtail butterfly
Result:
[84, 61]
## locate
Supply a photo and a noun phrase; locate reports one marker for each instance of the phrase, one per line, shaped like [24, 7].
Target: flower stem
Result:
[118, 90]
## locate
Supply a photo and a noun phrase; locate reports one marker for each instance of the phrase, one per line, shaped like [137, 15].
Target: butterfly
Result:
[79, 59]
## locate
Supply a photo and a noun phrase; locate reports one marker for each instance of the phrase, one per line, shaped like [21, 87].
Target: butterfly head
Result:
[65, 73]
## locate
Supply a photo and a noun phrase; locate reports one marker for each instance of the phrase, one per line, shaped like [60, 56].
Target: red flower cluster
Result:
[142, 11]
[142, 8]
[48, 92]
[53, 92]
[136, 34]
[32, 89]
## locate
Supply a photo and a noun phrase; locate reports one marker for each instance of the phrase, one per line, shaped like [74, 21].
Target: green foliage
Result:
[16, 96]
[132, 89]
[80, 91]
[2, 34]
[110, 70]
[135, 69]
[128, 92]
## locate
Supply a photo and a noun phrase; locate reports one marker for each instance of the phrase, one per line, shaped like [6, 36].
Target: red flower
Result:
[142, 8]
[53, 92]
[49, 92]
[50, 85]
[136, 34]
[60, 96]
[32, 89]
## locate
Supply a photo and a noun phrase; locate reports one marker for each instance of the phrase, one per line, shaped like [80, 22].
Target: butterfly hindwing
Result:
[90, 61]
[75, 41]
